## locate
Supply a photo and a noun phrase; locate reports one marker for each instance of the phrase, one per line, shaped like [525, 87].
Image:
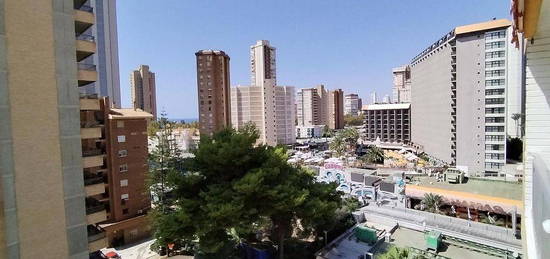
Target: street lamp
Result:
[325, 237]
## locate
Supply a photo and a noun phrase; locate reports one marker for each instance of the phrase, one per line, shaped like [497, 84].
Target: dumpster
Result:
[433, 240]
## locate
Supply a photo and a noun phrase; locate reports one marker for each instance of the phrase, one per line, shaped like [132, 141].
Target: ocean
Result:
[186, 120]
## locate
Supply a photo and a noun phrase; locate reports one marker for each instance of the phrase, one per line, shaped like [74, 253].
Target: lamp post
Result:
[325, 237]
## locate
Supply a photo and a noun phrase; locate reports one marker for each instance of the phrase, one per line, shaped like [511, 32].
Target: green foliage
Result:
[328, 132]
[432, 202]
[344, 141]
[395, 253]
[354, 120]
[374, 155]
[232, 190]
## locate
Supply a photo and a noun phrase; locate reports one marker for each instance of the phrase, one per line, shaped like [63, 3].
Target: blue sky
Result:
[348, 44]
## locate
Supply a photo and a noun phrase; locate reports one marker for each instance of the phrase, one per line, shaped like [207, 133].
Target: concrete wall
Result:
[44, 206]
[537, 137]
[470, 96]
[431, 103]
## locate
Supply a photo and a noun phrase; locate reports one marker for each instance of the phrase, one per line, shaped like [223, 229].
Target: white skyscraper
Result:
[373, 99]
[386, 99]
[105, 35]
[269, 107]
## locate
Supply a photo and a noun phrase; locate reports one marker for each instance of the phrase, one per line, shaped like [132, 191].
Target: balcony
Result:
[96, 238]
[87, 74]
[89, 104]
[95, 211]
[85, 46]
[90, 133]
[92, 158]
[84, 18]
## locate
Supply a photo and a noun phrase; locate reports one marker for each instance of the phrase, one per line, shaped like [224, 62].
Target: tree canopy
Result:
[354, 120]
[234, 190]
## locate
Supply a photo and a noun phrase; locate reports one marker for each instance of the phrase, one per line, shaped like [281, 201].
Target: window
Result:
[494, 137]
[494, 45]
[495, 35]
[121, 139]
[499, 156]
[122, 153]
[124, 182]
[125, 211]
[493, 165]
[124, 196]
[494, 82]
[494, 128]
[494, 119]
[494, 92]
[496, 147]
[499, 72]
[123, 168]
[494, 101]
[496, 63]
[494, 110]
[495, 54]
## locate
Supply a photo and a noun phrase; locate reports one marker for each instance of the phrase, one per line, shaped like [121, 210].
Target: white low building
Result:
[315, 131]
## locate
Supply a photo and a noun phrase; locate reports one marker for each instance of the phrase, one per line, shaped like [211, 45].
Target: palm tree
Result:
[432, 202]
[350, 136]
[395, 253]
[338, 145]
[516, 117]
[374, 155]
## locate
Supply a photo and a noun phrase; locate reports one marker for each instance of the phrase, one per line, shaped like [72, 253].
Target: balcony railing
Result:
[92, 152]
[94, 209]
[95, 233]
[93, 180]
[89, 67]
[86, 37]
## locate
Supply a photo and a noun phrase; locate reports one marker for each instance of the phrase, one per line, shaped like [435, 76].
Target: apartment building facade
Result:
[401, 90]
[318, 106]
[268, 106]
[388, 122]
[104, 34]
[128, 195]
[335, 109]
[214, 92]
[47, 205]
[143, 89]
[532, 23]
[352, 104]
[465, 89]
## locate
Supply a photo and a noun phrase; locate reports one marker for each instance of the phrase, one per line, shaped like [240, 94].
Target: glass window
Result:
[494, 119]
[121, 139]
[494, 110]
[120, 124]
[499, 72]
[495, 35]
[494, 92]
[495, 54]
[124, 182]
[494, 82]
[494, 101]
[494, 44]
[124, 196]
[494, 128]
[123, 168]
[122, 153]
[494, 63]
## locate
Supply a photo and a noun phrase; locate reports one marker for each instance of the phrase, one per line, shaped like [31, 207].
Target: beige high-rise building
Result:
[142, 82]
[317, 106]
[352, 104]
[402, 84]
[213, 90]
[269, 107]
[43, 213]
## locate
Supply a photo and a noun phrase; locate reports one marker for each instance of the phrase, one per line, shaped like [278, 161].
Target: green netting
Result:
[365, 234]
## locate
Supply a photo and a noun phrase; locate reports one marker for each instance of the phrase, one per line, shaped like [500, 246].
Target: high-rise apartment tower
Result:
[142, 82]
[213, 90]
[465, 89]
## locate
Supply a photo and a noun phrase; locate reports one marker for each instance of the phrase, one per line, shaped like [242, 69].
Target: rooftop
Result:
[501, 189]
[483, 26]
[386, 106]
[117, 114]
